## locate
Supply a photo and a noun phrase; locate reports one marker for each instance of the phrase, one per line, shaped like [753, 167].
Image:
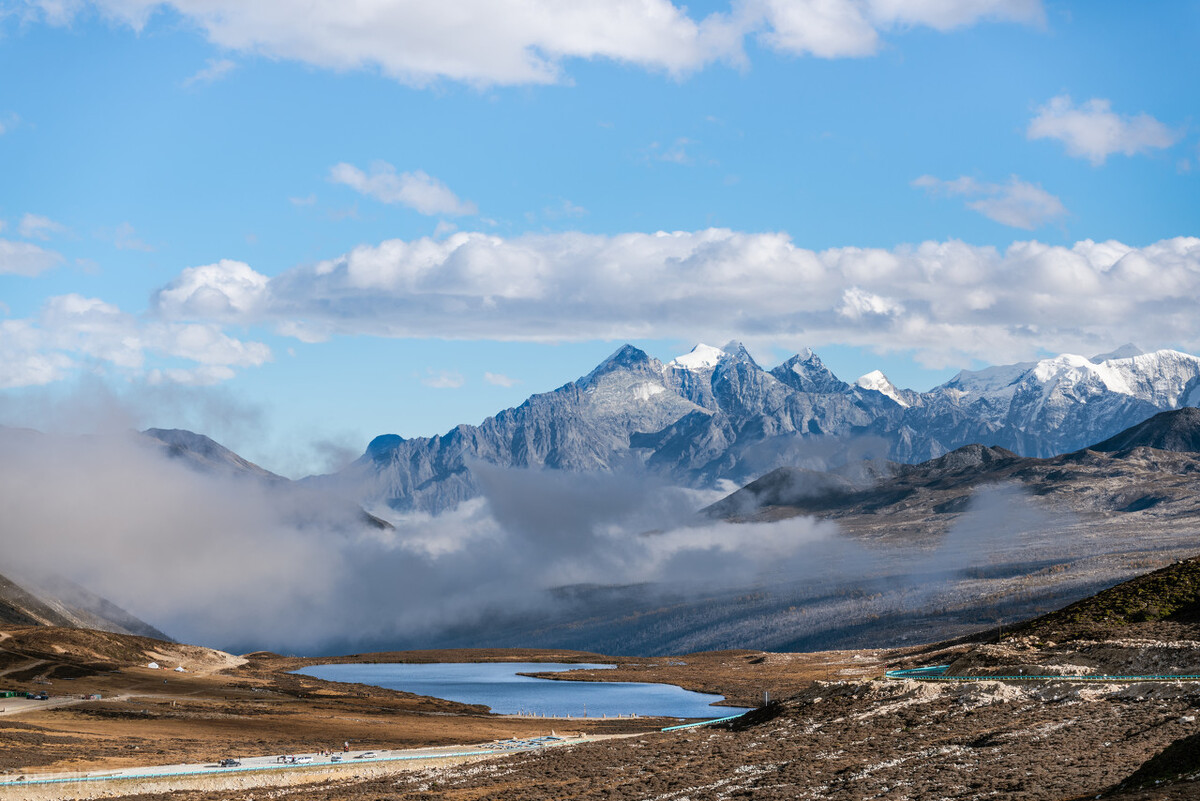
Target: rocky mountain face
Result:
[714, 414]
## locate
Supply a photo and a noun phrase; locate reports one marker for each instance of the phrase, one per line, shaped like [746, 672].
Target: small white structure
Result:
[153, 666]
[180, 669]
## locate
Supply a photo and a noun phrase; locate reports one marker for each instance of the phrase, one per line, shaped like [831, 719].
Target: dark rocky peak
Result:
[966, 458]
[807, 373]
[382, 446]
[1177, 430]
[627, 358]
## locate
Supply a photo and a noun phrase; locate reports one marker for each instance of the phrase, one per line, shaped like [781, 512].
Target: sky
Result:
[294, 231]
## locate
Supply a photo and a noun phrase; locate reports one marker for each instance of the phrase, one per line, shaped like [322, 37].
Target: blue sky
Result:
[295, 232]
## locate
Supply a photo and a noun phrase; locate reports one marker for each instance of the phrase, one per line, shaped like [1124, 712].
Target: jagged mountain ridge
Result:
[714, 414]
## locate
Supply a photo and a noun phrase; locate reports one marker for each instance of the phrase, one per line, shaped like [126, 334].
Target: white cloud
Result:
[416, 190]
[215, 70]
[8, 122]
[23, 360]
[35, 226]
[857, 304]
[214, 291]
[853, 28]
[72, 330]
[509, 42]
[25, 258]
[1093, 131]
[307, 200]
[500, 380]
[1017, 203]
[443, 379]
[949, 301]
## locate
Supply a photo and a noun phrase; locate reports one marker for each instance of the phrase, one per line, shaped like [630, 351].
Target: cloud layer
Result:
[949, 301]
[520, 42]
[191, 552]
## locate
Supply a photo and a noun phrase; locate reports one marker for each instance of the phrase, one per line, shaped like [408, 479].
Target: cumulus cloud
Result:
[1017, 203]
[417, 190]
[224, 290]
[1095, 132]
[948, 301]
[72, 330]
[25, 258]
[520, 42]
[35, 226]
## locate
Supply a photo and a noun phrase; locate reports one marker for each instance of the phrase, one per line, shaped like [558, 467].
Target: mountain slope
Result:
[202, 453]
[1166, 431]
[55, 601]
[715, 415]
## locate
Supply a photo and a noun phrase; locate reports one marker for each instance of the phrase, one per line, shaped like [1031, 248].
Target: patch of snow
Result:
[701, 357]
[647, 391]
[877, 381]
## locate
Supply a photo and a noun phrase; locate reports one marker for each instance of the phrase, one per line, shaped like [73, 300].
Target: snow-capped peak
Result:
[877, 381]
[1126, 351]
[701, 357]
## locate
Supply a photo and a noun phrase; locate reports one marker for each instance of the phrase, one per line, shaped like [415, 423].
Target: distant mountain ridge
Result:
[714, 414]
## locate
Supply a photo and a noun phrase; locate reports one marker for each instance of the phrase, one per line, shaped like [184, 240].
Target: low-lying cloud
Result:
[236, 562]
[232, 561]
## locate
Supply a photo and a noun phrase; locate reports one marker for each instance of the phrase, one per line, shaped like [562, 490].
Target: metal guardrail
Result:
[703, 723]
[937, 673]
[256, 768]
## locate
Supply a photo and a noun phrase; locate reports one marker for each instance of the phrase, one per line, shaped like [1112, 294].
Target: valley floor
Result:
[834, 729]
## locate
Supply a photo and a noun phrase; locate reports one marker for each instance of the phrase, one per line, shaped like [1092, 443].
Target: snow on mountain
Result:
[701, 357]
[807, 373]
[1159, 378]
[879, 382]
[714, 414]
[1124, 352]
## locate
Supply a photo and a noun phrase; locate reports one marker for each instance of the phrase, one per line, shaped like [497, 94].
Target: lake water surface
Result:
[497, 685]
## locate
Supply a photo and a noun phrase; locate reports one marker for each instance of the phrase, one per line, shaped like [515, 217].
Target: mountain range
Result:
[714, 415]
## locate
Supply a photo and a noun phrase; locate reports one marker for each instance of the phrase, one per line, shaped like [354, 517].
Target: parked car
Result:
[229, 763]
[366, 755]
[336, 758]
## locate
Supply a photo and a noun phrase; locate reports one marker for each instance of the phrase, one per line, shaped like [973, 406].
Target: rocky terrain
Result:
[844, 732]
